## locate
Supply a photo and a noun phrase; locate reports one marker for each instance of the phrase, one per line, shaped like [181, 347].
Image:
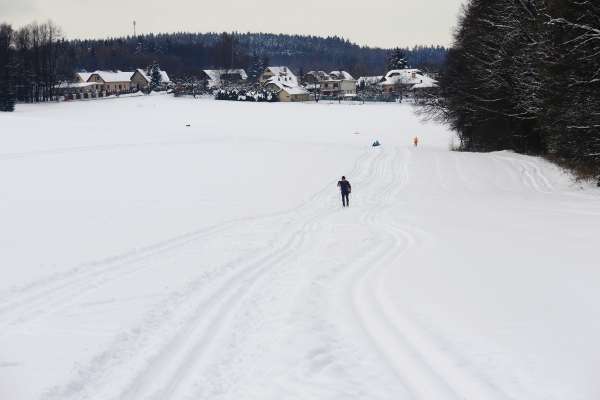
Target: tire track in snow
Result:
[336, 349]
[182, 352]
[530, 173]
[196, 353]
[55, 292]
[424, 369]
[178, 358]
[224, 372]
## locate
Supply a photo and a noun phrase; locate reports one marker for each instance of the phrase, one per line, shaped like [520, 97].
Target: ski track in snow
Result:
[195, 331]
[333, 330]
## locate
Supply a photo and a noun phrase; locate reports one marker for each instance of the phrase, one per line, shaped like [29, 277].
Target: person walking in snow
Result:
[416, 141]
[346, 189]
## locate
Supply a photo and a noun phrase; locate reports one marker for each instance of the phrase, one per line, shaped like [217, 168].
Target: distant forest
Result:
[185, 54]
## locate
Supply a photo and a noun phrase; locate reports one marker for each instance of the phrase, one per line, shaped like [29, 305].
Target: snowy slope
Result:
[143, 259]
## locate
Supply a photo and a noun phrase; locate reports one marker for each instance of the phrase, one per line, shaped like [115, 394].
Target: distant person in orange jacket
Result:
[416, 141]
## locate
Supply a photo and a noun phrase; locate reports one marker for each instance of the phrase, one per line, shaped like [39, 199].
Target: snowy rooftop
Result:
[342, 75]
[408, 77]
[84, 76]
[76, 85]
[282, 74]
[280, 70]
[289, 88]
[369, 80]
[163, 74]
[322, 75]
[110, 76]
[215, 75]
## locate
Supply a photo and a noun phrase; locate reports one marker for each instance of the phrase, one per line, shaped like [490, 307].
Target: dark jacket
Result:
[345, 187]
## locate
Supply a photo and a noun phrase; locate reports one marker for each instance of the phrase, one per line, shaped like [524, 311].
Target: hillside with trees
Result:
[524, 75]
[187, 53]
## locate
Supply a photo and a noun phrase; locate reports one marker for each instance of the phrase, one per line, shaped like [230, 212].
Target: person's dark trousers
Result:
[345, 199]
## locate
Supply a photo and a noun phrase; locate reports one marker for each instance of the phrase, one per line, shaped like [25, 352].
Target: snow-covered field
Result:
[143, 259]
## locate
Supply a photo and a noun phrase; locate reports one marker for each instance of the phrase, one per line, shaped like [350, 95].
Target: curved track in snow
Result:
[431, 286]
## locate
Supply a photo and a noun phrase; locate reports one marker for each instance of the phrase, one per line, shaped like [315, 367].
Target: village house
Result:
[401, 81]
[288, 93]
[103, 83]
[312, 80]
[339, 84]
[284, 84]
[219, 78]
[366, 81]
[140, 80]
[315, 77]
[112, 82]
[278, 74]
[78, 90]
[82, 77]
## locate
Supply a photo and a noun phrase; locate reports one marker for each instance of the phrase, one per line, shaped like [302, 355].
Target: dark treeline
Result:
[185, 54]
[32, 60]
[525, 75]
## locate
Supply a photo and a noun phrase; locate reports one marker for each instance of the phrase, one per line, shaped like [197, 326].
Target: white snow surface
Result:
[143, 259]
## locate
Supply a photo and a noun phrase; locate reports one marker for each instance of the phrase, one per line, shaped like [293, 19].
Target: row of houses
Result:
[335, 84]
[105, 83]
[279, 80]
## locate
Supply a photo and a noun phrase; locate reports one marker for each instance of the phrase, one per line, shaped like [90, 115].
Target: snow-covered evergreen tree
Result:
[397, 60]
[155, 77]
[256, 68]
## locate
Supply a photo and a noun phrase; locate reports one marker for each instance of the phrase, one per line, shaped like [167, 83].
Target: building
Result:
[287, 92]
[82, 77]
[278, 74]
[339, 84]
[219, 78]
[101, 83]
[315, 77]
[311, 81]
[78, 90]
[112, 82]
[365, 81]
[400, 81]
[140, 80]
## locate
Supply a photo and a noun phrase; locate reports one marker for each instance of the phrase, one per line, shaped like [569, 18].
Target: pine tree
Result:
[397, 60]
[256, 68]
[155, 77]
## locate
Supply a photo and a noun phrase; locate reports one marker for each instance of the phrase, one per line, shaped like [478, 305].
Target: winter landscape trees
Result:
[397, 60]
[8, 69]
[524, 75]
[155, 77]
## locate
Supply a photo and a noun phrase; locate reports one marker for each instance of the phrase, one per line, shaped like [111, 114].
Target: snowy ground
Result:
[143, 259]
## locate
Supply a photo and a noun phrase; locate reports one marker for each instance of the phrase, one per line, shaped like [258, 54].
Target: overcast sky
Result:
[383, 23]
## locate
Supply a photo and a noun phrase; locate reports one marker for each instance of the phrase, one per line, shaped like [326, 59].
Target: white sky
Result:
[383, 23]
